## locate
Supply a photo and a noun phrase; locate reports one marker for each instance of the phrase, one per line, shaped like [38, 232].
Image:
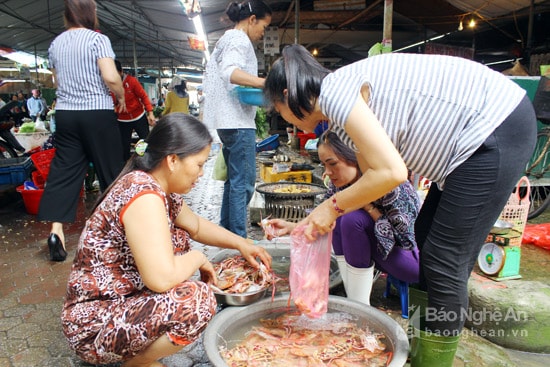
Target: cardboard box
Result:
[268, 176]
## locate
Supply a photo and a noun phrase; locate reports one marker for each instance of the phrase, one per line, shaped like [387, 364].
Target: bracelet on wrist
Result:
[335, 206]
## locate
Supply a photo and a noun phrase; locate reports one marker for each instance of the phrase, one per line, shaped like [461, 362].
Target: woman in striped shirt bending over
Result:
[465, 127]
[86, 124]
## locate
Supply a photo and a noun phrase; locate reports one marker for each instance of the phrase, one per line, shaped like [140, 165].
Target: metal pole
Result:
[530, 31]
[135, 53]
[297, 22]
[36, 68]
[160, 71]
[295, 142]
[388, 24]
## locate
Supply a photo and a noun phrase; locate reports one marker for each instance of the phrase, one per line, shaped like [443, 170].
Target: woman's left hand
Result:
[250, 252]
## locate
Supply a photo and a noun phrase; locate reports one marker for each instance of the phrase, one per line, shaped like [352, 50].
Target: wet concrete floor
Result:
[32, 288]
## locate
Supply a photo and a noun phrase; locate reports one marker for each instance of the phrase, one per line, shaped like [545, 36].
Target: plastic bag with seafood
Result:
[309, 272]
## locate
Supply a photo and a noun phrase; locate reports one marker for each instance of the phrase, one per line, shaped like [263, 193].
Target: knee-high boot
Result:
[342, 268]
[359, 283]
[427, 349]
[431, 350]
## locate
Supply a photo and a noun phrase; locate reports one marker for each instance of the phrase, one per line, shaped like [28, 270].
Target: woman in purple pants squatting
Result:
[381, 234]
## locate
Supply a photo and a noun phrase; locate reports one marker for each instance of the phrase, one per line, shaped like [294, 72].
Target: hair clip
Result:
[250, 7]
[141, 147]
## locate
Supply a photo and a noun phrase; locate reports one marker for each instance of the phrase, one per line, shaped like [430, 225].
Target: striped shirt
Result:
[74, 55]
[437, 110]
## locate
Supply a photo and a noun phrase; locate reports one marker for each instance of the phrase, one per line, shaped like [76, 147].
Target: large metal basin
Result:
[227, 326]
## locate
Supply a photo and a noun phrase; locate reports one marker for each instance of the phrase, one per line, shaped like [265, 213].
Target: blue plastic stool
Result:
[403, 290]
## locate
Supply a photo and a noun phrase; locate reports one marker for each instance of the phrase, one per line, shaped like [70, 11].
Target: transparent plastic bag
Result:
[310, 272]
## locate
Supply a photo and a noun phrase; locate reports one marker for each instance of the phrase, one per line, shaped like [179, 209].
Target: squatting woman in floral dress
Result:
[130, 297]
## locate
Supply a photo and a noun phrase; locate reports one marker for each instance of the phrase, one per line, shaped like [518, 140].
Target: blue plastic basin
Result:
[251, 96]
[269, 143]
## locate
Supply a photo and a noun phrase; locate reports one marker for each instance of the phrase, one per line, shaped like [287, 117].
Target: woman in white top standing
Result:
[233, 63]
[82, 60]
[454, 121]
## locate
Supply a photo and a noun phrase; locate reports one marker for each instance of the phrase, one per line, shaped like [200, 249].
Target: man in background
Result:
[36, 105]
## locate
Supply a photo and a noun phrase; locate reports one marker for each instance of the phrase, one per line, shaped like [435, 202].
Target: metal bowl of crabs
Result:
[272, 332]
[240, 299]
[279, 249]
[239, 284]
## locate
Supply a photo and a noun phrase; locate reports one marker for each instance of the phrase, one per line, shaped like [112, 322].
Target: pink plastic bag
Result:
[309, 272]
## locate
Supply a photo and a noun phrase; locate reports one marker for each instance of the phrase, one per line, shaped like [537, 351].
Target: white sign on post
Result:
[271, 41]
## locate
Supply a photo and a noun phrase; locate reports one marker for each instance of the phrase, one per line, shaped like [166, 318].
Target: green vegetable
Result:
[157, 111]
[262, 127]
[27, 127]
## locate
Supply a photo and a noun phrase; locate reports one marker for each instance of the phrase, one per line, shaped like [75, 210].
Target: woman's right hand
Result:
[280, 228]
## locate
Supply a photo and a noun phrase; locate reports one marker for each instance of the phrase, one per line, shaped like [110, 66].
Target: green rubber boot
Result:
[431, 350]
[418, 301]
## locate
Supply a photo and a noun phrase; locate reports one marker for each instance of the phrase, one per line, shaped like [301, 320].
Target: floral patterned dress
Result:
[109, 315]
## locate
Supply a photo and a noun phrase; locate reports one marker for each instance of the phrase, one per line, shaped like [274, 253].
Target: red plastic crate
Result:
[42, 161]
[37, 179]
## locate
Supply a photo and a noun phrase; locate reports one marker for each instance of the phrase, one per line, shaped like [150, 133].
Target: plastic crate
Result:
[38, 180]
[42, 161]
[14, 171]
[267, 175]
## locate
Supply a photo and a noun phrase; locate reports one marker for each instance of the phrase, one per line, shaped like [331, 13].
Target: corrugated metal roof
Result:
[153, 33]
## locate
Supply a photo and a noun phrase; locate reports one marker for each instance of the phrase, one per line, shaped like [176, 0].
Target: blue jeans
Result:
[239, 151]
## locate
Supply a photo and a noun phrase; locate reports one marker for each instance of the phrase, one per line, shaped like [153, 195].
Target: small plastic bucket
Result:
[31, 199]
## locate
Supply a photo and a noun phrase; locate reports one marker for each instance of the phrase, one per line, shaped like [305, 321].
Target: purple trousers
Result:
[354, 238]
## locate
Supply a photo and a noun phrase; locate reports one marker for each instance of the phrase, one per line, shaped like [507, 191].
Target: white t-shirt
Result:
[222, 108]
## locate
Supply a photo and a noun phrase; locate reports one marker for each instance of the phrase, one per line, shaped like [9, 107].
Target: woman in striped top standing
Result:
[82, 61]
[465, 127]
